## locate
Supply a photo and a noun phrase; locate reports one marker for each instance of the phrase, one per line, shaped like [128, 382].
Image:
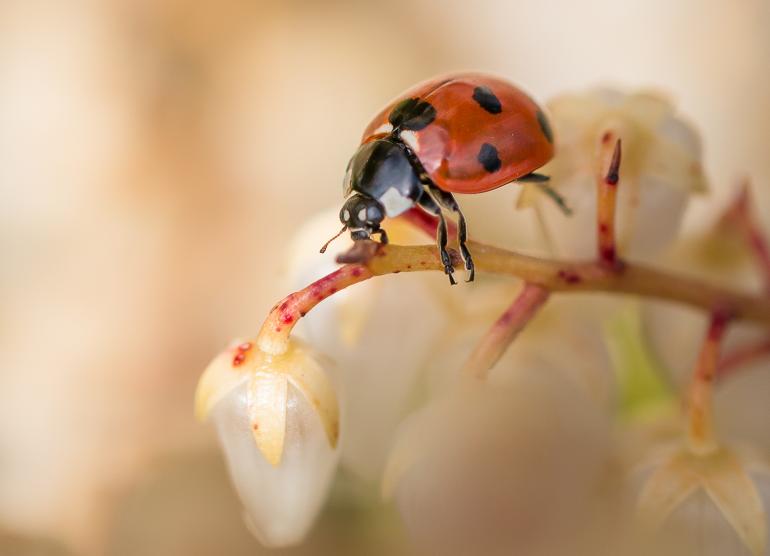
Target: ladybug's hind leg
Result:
[430, 206]
[448, 201]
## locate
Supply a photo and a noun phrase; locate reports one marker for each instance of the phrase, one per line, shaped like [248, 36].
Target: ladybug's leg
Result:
[448, 201]
[430, 206]
[383, 236]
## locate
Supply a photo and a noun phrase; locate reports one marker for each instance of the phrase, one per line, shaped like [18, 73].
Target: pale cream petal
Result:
[306, 374]
[267, 397]
[219, 378]
[733, 491]
[668, 487]
[406, 451]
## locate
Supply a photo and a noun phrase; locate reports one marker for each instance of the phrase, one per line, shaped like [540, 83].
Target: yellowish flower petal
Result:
[736, 495]
[668, 487]
[219, 378]
[267, 397]
[306, 374]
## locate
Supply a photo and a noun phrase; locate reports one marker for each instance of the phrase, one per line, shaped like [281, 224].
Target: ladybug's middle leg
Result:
[448, 201]
[430, 206]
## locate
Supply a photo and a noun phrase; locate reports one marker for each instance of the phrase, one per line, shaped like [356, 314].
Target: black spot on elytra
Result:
[412, 114]
[545, 126]
[487, 100]
[489, 158]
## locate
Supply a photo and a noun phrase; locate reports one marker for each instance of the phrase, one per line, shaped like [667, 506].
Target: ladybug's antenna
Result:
[323, 249]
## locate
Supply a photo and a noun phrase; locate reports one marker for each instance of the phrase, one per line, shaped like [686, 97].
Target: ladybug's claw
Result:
[469, 267]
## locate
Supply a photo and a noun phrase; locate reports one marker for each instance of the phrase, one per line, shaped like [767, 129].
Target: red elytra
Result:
[466, 119]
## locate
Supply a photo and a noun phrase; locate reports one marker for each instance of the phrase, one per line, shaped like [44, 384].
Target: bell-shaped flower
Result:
[503, 468]
[661, 168]
[277, 420]
[736, 486]
[691, 481]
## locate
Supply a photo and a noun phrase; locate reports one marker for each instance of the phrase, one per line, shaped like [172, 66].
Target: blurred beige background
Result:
[155, 157]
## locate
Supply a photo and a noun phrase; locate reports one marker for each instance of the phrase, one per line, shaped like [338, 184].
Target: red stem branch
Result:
[700, 426]
[505, 330]
[745, 355]
[607, 202]
[741, 216]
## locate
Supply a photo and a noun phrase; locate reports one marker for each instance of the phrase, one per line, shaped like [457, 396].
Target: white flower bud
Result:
[277, 421]
[660, 169]
[281, 501]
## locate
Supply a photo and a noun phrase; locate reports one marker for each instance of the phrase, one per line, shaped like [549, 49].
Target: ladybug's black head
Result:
[362, 216]
[381, 181]
[382, 170]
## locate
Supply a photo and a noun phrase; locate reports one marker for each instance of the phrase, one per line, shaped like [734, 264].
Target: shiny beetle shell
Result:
[471, 133]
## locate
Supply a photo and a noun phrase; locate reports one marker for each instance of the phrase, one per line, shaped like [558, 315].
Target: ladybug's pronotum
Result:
[464, 133]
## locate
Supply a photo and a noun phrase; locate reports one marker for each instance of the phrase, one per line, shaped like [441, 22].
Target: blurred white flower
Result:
[661, 168]
[504, 468]
[277, 420]
[673, 507]
[369, 330]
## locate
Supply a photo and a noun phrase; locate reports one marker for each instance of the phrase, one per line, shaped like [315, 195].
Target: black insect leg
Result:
[383, 236]
[427, 203]
[448, 201]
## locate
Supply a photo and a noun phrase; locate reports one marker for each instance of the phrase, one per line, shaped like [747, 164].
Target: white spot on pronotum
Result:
[362, 215]
[394, 202]
[346, 215]
[384, 128]
[410, 138]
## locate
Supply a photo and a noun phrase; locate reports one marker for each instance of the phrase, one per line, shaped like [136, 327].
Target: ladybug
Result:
[461, 133]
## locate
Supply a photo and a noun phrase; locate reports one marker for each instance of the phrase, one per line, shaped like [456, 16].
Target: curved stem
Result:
[369, 259]
[743, 356]
[273, 337]
[505, 330]
[741, 216]
[700, 426]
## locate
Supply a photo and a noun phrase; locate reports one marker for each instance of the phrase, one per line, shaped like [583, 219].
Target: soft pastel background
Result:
[155, 157]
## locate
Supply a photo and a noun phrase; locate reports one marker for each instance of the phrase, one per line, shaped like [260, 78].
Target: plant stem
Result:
[606, 201]
[740, 216]
[274, 335]
[505, 330]
[372, 259]
[700, 425]
[742, 356]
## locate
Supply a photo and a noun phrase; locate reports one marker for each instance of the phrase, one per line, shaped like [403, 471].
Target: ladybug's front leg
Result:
[448, 201]
[427, 203]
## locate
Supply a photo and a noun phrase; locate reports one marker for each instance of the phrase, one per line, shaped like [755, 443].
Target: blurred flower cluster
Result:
[600, 430]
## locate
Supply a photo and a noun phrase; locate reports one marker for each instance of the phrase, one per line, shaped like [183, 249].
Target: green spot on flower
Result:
[644, 393]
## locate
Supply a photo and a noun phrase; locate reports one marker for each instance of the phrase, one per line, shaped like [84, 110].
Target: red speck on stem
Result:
[287, 318]
[607, 253]
[570, 277]
[356, 272]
